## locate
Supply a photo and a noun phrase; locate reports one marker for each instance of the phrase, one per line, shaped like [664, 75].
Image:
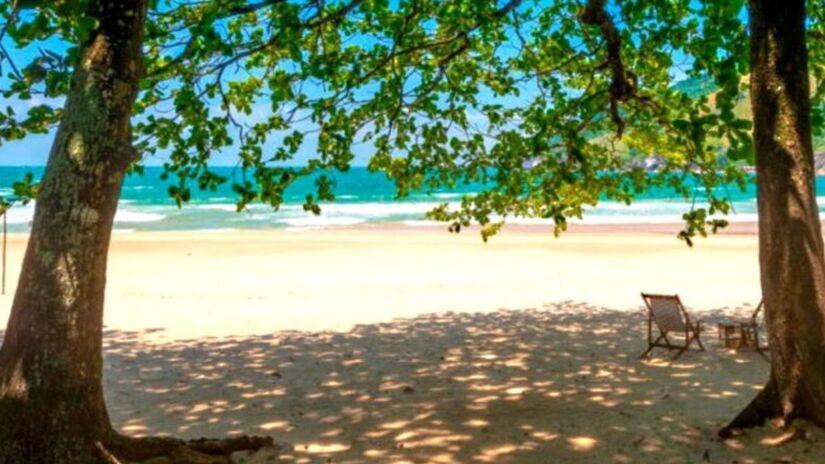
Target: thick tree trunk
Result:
[790, 240]
[51, 399]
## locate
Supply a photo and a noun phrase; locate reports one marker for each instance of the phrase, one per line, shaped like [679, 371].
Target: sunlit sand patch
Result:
[649, 444]
[174, 408]
[780, 439]
[445, 458]
[424, 415]
[377, 433]
[486, 387]
[264, 393]
[406, 435]
[603, 401]
[544, 436]
[476, 423]
[470, 378]
[332, 433]
[642, 403]
[321, 448]
[207, 377]
[571, 328]
[330, 419]
[158, 391]
[391, 385]
[721, 395]
[395, 425]
[284, 426]
[520, 360]
[516, 390]
[485, 399]
[494, 453]
[734, 443]
[602, 373]
[198, 408]
[374, 453]
[687, 439]
[582, 443]
[134, 428]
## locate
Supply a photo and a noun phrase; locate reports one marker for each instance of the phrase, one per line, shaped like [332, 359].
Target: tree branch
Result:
[622, 81]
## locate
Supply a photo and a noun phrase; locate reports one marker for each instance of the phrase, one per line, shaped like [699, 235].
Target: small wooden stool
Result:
[743, 334]
[735, 336]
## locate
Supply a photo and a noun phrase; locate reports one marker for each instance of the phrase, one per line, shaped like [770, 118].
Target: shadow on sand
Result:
[556, 384]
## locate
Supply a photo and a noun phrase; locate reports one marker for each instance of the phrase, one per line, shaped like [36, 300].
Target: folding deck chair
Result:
[743, 334]
[669, 316]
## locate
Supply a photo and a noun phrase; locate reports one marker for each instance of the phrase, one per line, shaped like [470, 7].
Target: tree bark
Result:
[51, 399]
[790, 240]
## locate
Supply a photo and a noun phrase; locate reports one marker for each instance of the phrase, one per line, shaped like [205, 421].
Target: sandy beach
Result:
[392, 344]
[198, 284]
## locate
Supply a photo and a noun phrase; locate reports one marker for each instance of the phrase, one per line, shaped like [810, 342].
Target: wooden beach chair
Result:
[668, 315]
[744, 333]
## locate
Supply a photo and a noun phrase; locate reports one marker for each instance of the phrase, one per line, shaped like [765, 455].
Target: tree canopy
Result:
[547, 105]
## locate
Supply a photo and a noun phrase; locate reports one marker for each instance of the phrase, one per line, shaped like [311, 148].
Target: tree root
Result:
[177, 451]
[764, 406]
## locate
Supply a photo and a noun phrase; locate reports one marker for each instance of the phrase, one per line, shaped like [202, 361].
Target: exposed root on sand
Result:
[122, 449]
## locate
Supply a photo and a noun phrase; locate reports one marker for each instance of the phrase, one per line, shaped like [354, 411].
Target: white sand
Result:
[519, 371]
[242, 283]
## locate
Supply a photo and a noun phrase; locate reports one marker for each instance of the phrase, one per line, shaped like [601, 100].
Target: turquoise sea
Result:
[362, 198]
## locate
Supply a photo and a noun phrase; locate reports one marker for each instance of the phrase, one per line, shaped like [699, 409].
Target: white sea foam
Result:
[378, 210]
[451, 195]
[217, 206]
[215, 230]
[135, 216]
[19, 214]
[222, 215]
[322, 221]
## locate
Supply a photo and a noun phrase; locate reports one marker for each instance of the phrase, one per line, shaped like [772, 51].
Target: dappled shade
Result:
[562, 381]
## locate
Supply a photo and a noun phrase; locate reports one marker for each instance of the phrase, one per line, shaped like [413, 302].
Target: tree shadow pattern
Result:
[561, 383]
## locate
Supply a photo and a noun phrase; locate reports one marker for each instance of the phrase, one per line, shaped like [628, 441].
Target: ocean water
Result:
[362, 198]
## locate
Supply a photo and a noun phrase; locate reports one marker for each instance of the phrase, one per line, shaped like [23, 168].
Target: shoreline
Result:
[657, 228]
